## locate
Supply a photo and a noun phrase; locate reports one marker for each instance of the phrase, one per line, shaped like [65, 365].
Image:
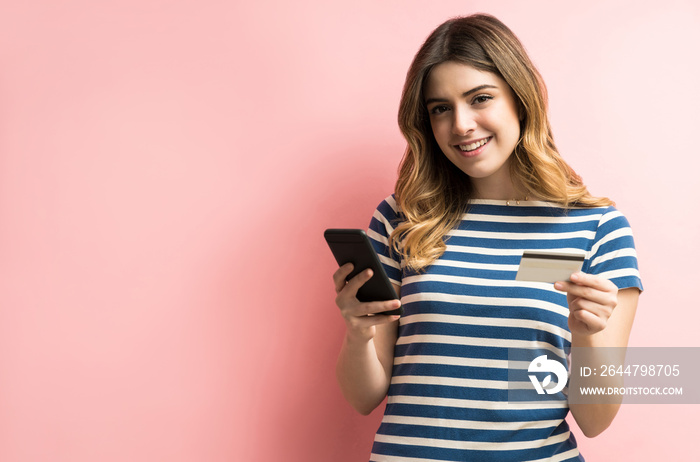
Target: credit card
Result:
[548, 266]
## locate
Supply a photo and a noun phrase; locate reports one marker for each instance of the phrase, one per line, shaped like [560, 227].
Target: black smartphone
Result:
[353, 246]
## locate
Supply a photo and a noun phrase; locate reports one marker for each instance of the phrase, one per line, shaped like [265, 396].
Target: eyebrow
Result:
[464, 95]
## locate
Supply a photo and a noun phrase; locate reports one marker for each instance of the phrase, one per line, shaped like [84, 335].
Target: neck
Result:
[498, 189]
[499, 185]
[501, 195]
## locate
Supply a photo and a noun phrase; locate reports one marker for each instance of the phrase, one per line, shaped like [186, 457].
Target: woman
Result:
[481, 182]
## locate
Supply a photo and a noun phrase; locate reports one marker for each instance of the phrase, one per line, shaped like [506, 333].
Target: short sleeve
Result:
[613, 255]
[381, 226]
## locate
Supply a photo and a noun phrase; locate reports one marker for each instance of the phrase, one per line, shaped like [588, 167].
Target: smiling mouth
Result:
[473, 146]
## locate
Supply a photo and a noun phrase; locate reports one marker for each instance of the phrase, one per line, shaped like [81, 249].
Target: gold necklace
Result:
[517, 201]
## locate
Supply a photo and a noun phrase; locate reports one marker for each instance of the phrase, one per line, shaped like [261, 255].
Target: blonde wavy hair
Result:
[432, 193]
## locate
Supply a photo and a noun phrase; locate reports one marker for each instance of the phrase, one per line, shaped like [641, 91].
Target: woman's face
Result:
[474, 117]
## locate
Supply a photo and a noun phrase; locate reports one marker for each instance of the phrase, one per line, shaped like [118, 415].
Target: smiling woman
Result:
[476, 129]
[481, 183]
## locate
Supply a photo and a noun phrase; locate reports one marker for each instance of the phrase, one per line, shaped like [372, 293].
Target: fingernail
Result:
[575, 277]
[559, 286]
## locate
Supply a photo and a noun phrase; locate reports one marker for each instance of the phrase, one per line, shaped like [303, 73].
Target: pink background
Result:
[167, 169]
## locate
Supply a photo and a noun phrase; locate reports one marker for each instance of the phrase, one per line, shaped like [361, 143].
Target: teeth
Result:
[471, 147]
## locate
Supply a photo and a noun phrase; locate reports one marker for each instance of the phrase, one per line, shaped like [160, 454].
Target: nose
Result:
[464, 121]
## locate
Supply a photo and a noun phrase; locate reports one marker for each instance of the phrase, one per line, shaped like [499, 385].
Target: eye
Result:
[439, 109]
[480, 99]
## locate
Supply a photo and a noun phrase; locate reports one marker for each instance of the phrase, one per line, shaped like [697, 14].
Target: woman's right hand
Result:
[361, 318]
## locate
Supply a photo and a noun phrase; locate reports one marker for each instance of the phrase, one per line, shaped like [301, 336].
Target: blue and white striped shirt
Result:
[448, 399]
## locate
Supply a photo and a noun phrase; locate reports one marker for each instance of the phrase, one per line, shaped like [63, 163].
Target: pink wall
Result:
[167, 169]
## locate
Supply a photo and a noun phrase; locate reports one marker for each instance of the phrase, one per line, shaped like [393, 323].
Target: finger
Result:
[601, 311]
[364, 322]
[576, 291]
[604, 297]
[340, 276]
[371, 308]
[591, 280]
[358, 281]
[592, 322]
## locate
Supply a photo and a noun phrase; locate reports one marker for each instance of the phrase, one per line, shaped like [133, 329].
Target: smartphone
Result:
[353, 246]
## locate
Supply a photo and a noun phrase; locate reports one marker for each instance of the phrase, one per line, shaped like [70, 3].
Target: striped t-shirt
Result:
[448, 399]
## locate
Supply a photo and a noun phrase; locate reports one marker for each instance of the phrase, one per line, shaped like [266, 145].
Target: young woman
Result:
[481, 182]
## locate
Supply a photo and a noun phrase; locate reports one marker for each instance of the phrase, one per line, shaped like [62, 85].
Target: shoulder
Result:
[387, 213]
[384, 220]
[603, 217]
[389, 207]
[613, 252]
[612, 220]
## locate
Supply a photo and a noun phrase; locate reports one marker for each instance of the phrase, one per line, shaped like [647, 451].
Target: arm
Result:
[366, 358]
[600, 316]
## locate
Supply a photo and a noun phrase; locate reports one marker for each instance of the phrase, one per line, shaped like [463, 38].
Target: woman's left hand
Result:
[591, 299]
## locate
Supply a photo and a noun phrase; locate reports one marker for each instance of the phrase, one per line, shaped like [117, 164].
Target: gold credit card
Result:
[548, 266]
